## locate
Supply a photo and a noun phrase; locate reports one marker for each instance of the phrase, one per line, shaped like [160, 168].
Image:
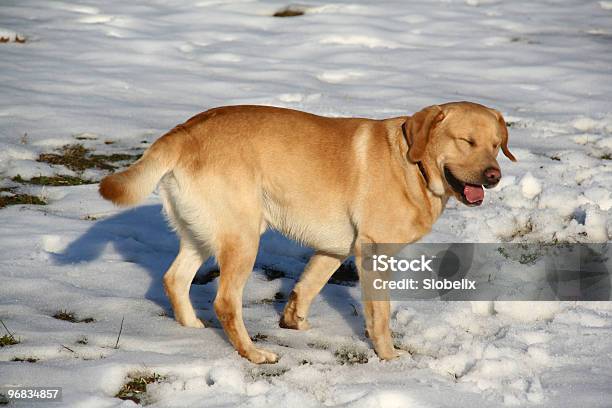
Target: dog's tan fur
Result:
[333, 184]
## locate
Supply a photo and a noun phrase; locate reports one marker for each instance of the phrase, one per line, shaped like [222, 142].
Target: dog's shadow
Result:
[141, 235]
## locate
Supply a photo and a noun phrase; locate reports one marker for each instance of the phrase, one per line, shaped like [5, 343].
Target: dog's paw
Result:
[293, 323]
[392, 355]
[195, 323]
[385, 350]
[260, 356]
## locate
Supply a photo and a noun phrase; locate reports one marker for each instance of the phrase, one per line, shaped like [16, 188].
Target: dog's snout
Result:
[493, 175]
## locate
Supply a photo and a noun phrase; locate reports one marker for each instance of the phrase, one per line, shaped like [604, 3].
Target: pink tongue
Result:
[473, 193]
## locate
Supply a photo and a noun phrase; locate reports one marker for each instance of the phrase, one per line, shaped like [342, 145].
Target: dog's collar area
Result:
[419, 164]
[422, 170]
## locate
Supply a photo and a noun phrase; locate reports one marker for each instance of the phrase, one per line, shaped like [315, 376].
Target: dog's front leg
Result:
[318, 271]
[377, 313]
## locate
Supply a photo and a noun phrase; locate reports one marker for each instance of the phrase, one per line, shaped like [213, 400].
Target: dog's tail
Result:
[133, 185]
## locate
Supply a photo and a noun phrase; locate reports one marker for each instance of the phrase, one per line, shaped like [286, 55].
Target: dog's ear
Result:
[504, 134]
[417, 130]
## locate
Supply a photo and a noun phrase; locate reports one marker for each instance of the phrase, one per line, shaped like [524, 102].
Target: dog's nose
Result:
[492, 175]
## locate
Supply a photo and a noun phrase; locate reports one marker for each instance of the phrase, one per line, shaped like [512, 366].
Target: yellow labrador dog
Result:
[230, 173]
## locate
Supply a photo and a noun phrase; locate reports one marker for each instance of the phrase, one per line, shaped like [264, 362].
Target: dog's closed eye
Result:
[468, 141]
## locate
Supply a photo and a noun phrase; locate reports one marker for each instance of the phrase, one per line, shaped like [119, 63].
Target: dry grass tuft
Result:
[70, 317]
[136, 387]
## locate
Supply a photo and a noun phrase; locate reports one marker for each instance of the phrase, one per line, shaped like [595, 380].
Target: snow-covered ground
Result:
[114, 75]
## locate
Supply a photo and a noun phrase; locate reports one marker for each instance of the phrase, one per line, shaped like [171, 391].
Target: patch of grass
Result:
[607, 156]
[66, 316]
[57, 180]
[115, 157]
[289, 11]
[555, 158]
[70, 317]
[347, 355]
[25, 359]
[136, 387]
[3, 399]
[78, 158]
[82, 340]
[19, 199]
[8, 340]
[72, 156]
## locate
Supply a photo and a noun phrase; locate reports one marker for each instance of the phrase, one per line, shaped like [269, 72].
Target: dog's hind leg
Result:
[316, 274]
[236, 254]
[178, 278]
[177, 282]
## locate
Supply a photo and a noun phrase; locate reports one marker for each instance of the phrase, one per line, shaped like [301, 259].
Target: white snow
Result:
[530, 186]
[115, 75]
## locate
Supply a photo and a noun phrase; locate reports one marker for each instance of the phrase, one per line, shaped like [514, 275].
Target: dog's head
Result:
[457, 145]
